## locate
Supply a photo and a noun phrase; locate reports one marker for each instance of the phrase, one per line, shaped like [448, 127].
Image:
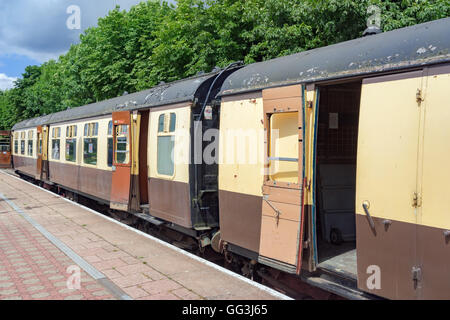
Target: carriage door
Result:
[43, 148]
[5, 149]
[39, 153]
[281, 208]
[121, 169]
[388, 195]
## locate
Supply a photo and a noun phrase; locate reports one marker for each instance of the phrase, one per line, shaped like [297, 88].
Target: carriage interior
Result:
[337, 141]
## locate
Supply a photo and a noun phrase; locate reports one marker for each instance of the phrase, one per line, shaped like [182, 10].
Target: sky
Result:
[35, 31]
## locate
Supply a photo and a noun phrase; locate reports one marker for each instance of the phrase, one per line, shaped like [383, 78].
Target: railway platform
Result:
[55, 249]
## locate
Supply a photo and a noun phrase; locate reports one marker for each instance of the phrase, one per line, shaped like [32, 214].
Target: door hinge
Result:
[416, 200]
[308, 184]
[419, 96]
[416, 274]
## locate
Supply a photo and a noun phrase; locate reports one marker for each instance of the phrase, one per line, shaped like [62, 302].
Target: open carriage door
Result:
[388, 196]
[282, 223]
[42, 153]
[39, 153]
[121, 175]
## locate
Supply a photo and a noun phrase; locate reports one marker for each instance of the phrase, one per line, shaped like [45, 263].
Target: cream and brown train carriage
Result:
[27, 148]
[343, 177]
[133, 153]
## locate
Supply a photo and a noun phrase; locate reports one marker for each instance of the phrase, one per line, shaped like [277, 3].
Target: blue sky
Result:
[34, 31]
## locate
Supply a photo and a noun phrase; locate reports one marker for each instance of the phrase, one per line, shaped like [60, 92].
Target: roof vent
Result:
[217, 69]
[370, 31]
[124, 93]
[162, 82]
[200, 73]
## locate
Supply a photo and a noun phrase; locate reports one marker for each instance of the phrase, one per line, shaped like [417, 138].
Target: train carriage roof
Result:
[414, 46]
[164, 94]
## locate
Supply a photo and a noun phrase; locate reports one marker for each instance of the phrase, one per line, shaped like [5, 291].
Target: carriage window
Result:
[161, 123]
[90, 143]
[122, 145]
[22, 143]
[71, 143]
[40, 143]
[166, 144]
[16, 143]
[5, 144]
[284, 151]
[56, 143]
[30, 143]
[173, 122]
[110, 144]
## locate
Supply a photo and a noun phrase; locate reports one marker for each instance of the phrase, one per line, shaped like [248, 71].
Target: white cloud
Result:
[38, 30]
[6, 82]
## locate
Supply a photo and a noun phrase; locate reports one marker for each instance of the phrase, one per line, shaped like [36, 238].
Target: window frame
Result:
[110, 145]
[71, 137]
[90, 133]
[166, 129]
[120, 134]
[56, 137]
[30, 142]
[273, 148]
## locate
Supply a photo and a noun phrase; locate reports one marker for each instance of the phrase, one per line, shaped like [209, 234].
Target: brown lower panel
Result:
[393, 250]
[433, 253]
[240, 219]
[25, 165]
[90, 181]
[170, 200]
[396, 249]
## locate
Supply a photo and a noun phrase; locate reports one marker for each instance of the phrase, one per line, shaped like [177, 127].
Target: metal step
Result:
[343, 289]
[149, 218]
[145, 208]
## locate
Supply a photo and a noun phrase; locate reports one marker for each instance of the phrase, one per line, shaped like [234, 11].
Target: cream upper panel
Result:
[102, 142]
[26, 140]
[182, 143]
[388, 147]
[436, 152]
[242, 148]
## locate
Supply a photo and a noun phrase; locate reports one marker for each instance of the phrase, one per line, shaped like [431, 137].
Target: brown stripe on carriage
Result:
[89, 181]
[25, 165]
[170, 200]
[396, 251]
[240, 219]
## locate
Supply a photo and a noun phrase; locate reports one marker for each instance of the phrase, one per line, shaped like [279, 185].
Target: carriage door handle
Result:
[277, 212]
[366, 206]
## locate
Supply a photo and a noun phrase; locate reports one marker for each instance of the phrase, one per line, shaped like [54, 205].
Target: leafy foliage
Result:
[154, 42]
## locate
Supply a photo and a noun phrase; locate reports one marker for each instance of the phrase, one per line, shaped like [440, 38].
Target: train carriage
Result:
[350, 181]
[328, 165]
[119, 152]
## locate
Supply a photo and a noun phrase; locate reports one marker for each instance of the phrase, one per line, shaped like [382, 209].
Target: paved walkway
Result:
[42, 235]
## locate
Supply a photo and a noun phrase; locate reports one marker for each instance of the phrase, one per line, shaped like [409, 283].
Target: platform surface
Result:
[42, 235]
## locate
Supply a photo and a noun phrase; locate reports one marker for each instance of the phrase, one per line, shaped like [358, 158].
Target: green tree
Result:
[156, 41]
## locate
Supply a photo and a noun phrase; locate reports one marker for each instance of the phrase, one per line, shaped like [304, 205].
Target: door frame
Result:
[281, 100]
[121, 172]
[39, 153]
